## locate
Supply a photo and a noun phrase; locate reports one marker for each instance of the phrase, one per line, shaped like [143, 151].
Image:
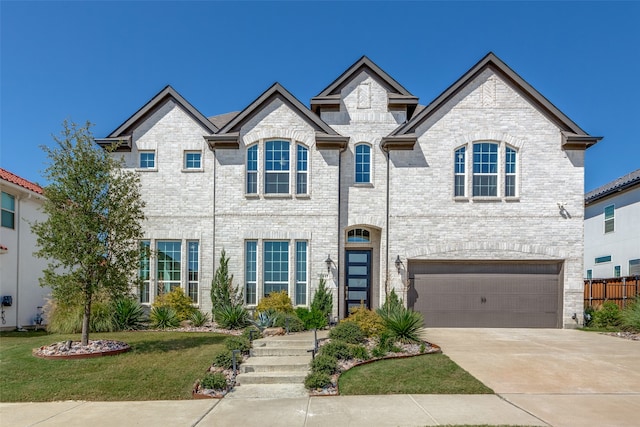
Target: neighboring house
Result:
[471, 208]
[612, 229]
[20, 269]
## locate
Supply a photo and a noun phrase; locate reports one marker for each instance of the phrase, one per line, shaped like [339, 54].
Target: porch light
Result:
[398, 263]
[329, 263]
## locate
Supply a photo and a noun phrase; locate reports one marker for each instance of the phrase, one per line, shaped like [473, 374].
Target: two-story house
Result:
[470, 207]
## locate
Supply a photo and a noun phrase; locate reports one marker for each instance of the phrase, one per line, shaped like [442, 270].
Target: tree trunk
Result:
[85, 321]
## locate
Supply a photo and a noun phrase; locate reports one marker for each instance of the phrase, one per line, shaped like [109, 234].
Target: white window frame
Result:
[170, 284]
[144, 272]
[301, 283]
[355, 164]
[252, 175]
[501, 175]
[270, 172]
[611, 221]
[275, 283]
[185, 163]
[193, 282]
[155, 160]
[460, 170]
[300, 172]
[8, 211]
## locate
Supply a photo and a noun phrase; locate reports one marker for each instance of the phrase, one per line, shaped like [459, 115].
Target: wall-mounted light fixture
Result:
[329, 263]
[398, 263]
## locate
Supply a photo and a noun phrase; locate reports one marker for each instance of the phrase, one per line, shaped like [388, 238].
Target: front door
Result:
[358, 279]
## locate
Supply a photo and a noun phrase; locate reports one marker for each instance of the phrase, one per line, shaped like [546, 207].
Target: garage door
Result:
[487, 295]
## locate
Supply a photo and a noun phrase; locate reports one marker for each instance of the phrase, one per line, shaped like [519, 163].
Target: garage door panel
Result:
[510, 298]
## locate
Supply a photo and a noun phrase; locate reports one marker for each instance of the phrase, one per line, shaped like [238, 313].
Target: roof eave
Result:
[572, 141]
[397, 143]
[331, 142]
[227, 141]
[121, 143]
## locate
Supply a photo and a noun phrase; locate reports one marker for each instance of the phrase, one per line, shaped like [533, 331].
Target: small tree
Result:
[223, 293]
[322, 299]
[94, 212]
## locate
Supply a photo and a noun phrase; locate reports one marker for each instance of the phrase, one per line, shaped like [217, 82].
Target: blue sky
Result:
[101, 61]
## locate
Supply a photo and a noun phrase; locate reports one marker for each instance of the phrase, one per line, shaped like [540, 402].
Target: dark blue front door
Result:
[358, 279]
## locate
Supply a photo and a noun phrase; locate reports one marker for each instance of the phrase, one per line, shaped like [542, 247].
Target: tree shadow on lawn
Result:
[174, 344]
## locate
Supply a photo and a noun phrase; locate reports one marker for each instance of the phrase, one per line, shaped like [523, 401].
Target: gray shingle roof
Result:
[620, 184]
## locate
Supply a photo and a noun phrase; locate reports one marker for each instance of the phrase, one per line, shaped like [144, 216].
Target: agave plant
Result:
[198, 318]
[266, 319]
[164, 317]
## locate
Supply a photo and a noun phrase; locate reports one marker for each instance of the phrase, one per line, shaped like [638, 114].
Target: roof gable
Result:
[397, 94]
[123, 133]
[228, 136]
[573, 136]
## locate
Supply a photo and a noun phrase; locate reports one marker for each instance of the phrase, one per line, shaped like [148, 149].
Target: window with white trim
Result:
[193, 270]
[634, 267]
[193, 160]
[276, 177]
[252, 169]
[276, 267]
[301, 273]
[460, 176]
[147, 159]
[250, 271]
[168, 266]
[302, 167]
[144, 270]
[616, 271]
[362, 164]
[510, 172]
[358, 235]
[485, 169]
[609, 219]
[8, 210]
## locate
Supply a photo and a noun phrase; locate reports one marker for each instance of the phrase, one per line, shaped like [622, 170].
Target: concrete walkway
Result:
[541, 377]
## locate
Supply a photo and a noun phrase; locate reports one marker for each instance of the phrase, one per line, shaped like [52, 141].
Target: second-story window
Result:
[192, 160]
[609, 219]
[302, 168]
[485, 169]
[276, 177]
[147, 159]
[510, 173]
[252, 169]
[460, 177]
[363, 164]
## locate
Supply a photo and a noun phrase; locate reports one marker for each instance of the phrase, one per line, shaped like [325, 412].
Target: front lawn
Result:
[427, 374]
[160, 366]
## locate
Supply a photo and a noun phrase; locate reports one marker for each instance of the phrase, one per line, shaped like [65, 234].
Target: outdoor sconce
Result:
[329, 263]
[398, 263]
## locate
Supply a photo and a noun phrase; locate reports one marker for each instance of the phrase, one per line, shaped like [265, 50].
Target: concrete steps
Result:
[277, 367]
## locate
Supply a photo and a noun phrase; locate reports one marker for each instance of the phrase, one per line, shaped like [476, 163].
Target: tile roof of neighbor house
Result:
[620, 184]
[15, 179]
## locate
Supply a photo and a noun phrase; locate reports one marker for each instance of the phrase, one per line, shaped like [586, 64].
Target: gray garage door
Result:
[487, 295]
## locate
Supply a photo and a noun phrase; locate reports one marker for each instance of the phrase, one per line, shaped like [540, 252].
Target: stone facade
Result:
[408, 208]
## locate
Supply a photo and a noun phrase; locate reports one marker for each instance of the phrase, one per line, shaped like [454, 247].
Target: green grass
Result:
[426, 374]
[160, 366]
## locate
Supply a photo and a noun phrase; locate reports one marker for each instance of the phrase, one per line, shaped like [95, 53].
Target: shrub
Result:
[392, 303]
[359, 352]
[312, 319]
[325, 364]
[238, 343]
[369, 321]
[336, 349]
[164, 317]
[247, 332]
[223, 293]
[348, 332]
[293, 322]
[223, 359]
[378, 352]
[322, 300]
[178, 301]
[278, 301]
[607, 315]
[101, 317]
[317, 380]
[404, 325]
[198, 318]
[232, 317]
[386, 341]
[266, 319]
[630, 316]
[214, 381]
[128, 314]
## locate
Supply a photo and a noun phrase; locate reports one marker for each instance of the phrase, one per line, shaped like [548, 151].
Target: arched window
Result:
[358, 235]
[363, 164]
[460, 176]
[252, 169]
[302, 169]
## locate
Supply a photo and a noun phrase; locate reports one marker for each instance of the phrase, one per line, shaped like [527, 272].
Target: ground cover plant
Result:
[426, 374]
[160, 366]
[608, 317]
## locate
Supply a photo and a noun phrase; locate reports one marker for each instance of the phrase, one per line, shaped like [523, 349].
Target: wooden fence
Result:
[621, 290]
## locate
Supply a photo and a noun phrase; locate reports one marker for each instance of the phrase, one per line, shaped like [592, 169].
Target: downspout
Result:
[337, 278]
[17, 225]
[386, 280]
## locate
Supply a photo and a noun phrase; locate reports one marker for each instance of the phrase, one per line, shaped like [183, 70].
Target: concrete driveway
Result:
[563, 377]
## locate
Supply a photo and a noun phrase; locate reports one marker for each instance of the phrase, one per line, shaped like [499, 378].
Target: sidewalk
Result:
[354, 411]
